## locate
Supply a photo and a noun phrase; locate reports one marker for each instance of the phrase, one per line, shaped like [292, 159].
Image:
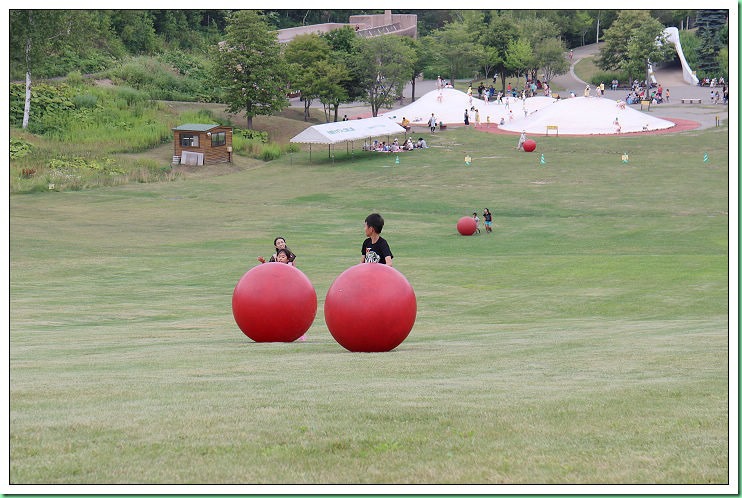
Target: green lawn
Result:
[585, 341]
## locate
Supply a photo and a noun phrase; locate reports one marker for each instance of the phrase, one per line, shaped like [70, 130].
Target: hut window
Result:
[219, 138]
[188, 140]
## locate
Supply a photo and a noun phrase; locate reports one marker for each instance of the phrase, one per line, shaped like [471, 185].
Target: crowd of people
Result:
[395, 146]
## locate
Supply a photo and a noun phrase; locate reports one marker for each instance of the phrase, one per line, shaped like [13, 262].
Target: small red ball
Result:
[274, 302]
[370, 308]
[529, 145]
[466, 225]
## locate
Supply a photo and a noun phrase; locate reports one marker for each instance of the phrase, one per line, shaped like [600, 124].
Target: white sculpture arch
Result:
[673, 36]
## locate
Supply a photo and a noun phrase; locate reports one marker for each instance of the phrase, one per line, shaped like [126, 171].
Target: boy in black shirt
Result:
[375, 248]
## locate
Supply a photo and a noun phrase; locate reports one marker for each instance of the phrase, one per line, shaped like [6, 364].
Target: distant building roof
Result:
[195, 127]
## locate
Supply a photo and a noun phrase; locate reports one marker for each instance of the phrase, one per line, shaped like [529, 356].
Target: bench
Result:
[643, 103]
[690, 101]
[552, 127]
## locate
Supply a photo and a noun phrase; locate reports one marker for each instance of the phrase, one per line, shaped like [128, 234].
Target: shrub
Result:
[19, 148]
[202, 116]
[130, 95]
[270, 152]
[86, 101]
[75, 79]
[47, 99]
[607, 77]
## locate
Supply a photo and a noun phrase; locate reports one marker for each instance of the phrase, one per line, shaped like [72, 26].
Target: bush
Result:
[159, 79]
[46, 100]
[607, 77]
[86, 101]
[75, 79]
[19, 148]
[130, 95]
[270, 152]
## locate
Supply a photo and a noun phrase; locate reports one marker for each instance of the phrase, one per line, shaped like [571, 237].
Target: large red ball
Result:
[370, 308]
[466, 225]
[274, 302]
[529, 145]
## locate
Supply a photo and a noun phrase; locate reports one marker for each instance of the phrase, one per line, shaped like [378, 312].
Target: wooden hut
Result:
[200, 144]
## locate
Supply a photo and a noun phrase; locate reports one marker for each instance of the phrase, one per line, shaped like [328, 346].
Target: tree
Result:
[710, 23]
[632, 40]
[458, 49]
[549, 57]
[36, 33]
[331, 80]
[536, 29]
[582, 23]
[518, 57]
[501, 32]
[418, 62]
[382, 66]
[343, 51]
[490, 59]
[250, 67]
[304, 53]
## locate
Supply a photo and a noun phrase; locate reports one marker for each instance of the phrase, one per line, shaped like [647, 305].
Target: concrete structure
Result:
[288, 34]
[386, 23]
[365, 25]
[673, 36]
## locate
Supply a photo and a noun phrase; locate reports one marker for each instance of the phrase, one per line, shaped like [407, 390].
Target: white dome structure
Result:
[449, 104]
[586, 116]
[571, 116]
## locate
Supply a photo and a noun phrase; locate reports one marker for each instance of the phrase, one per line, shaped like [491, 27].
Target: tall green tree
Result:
[304, 53]
[582, 24]
[136, 30]
[500, 33]
[458, 48]
[710, 23]
[37, 33]
[332, 78]
[549, 58]
[418, 62]
[633, 40]
[519, 58]
[344, 50]
[250, 67]
[489, 60]
[382, 65]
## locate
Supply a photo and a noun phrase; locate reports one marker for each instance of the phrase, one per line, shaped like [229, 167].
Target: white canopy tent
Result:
[347, 131]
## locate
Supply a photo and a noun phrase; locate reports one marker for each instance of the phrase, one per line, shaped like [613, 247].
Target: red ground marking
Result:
[680, 125]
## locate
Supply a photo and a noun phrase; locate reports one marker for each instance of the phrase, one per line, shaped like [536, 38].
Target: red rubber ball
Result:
[466, 225]
[370, 308]
[274, 302]
[529, 145]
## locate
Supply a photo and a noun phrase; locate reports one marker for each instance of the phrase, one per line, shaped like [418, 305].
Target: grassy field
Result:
[585, 341]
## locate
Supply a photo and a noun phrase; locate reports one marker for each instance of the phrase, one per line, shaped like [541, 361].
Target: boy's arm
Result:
[388, 260]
